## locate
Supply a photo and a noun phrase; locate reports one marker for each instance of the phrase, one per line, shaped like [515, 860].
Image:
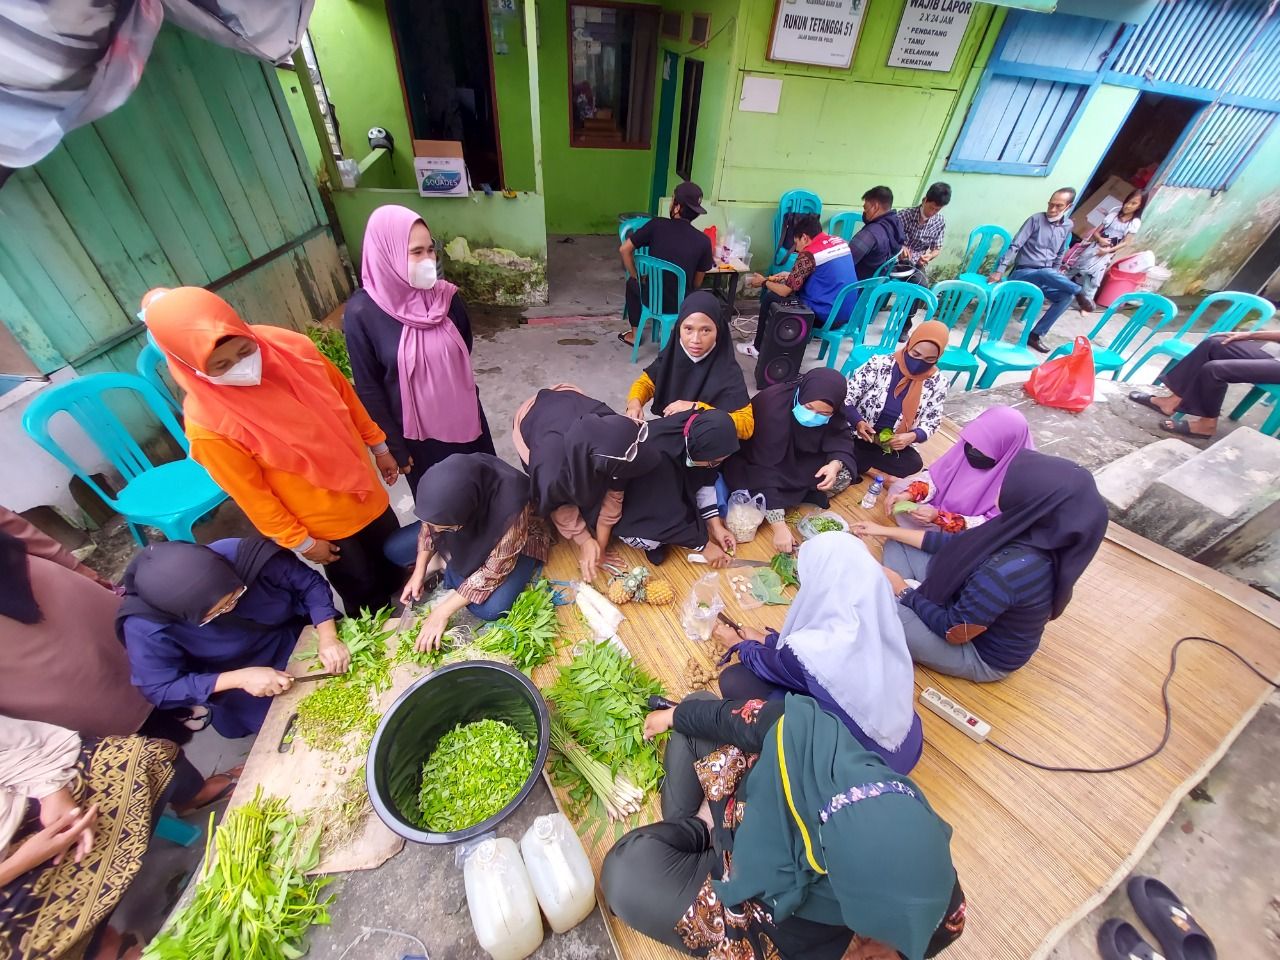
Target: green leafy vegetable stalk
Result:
[825, 524]
[528, 632]
[332, 346]
[474, 771]
[253, 899]
[883, 438]
[785, 566]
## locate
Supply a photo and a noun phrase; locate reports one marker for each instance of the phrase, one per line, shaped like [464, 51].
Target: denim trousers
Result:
[1058, 290]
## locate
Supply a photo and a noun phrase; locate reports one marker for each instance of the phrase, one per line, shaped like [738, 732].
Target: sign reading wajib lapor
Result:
[820, 32]
[930, 33]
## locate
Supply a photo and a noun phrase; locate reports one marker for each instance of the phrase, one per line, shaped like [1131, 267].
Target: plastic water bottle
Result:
[873, 493]
[504, 910]
[559, 871]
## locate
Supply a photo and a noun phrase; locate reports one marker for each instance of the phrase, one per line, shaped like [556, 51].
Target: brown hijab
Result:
[931, 331]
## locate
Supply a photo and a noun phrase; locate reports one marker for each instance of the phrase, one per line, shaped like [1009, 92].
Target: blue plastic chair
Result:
[955, 298]
[1239, 307]
[1151, 312]
[900, 298]
[978, 249]
[170, 497]
[150, 362]
[793, 201]
[1272, 392]
[652, 270]
[829, 340]
[845, 225]
[629, 226]
[1007, 298]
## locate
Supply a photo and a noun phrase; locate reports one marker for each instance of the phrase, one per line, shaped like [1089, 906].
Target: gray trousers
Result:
[927, 648]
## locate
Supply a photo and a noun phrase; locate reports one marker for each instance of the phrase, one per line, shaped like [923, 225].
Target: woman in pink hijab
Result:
[960, 489]
[409, 337]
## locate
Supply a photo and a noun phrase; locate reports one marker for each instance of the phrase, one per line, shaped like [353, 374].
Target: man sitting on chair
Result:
[823, 267]
[677, 241]
[1036, 256]
[925, 229]
[881, 236]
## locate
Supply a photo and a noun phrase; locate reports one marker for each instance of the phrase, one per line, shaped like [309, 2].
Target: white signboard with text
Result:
[930, 33]
[820, 32]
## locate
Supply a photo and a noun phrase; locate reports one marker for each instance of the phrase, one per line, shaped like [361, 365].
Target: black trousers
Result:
[896, 463]
[362, 574]
[1201, 378]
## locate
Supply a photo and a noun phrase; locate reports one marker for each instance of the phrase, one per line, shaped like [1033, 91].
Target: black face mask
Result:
[977, 459]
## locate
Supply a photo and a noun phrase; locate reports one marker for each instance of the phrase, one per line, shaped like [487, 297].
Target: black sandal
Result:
[1176, 930]
[1146, 400]
[1120, 940]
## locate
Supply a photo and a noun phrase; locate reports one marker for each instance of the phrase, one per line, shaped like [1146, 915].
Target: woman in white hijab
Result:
[842, 644]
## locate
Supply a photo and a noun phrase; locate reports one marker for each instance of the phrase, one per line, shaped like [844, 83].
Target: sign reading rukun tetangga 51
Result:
[820, 32]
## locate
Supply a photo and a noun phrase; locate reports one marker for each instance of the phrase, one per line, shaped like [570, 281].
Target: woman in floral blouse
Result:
[478, 525]
[894, 402]
[771, 813]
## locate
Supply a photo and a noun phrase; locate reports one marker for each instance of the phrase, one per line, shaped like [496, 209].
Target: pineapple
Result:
[618, 592]
[629, 586]
[659, 593]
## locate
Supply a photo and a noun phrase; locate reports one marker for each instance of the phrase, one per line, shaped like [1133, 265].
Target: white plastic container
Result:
[504, 910]
[559, 871]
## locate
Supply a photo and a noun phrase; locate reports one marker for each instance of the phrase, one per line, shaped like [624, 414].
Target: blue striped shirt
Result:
[1010, 593]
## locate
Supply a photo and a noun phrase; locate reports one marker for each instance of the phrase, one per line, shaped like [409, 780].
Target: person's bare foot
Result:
[1202, 428]
[629, 338]
[704, 814]
[215, 788]
[1168, 405]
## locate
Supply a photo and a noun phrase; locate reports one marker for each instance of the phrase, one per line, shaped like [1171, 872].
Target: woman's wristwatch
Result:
[910, 585]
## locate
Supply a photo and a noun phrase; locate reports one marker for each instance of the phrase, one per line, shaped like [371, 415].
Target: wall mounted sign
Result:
[820, 32]
[929, 34]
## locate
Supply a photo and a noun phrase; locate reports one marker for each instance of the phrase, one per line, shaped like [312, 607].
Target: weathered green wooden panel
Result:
[295, 143]
[25, 327]
[270, 119]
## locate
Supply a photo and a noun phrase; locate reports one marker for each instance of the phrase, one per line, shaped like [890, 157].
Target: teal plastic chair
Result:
[150, 362]
[170, 496]
[1239, 309]
[845, 225]
[1272, 392]
[955, 299]
[793, 201]
[829, 340]
[900, 298]
[1009, 297]
[629, 226]
[1151, 313]
[979, 248]
[652, 270]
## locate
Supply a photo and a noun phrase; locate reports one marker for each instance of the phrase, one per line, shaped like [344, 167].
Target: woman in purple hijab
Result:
[959, 490]
[409, 337]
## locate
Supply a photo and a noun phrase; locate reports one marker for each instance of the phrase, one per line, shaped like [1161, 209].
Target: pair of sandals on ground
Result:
[1171, 923]
[1181, 428]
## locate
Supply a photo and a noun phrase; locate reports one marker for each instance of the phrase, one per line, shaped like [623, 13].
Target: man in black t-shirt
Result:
[677, 241]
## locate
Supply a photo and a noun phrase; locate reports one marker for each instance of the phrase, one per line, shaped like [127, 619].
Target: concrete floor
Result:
[1218, 850]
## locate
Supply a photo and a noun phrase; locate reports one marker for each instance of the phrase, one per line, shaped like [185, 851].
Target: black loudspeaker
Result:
[786, 334]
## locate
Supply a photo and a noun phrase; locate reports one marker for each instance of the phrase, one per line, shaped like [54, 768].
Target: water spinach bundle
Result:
[528, 632]
[475, 770]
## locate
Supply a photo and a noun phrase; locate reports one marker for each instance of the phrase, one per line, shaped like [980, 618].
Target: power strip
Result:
[975, 728]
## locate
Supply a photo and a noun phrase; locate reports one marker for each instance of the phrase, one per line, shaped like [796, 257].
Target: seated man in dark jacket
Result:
[881, 236]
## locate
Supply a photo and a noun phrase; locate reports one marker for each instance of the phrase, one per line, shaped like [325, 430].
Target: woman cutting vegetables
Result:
[783, 839]
[480, 528]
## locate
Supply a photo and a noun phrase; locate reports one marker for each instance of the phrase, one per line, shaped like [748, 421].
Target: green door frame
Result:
[666, 116]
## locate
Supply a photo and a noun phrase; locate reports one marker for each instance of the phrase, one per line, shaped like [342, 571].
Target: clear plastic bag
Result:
[701, 607]
[744, 514]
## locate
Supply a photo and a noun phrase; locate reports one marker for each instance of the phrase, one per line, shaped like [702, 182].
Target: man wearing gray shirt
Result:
[1036, 256]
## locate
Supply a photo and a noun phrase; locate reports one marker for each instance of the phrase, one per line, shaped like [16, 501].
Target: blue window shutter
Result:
[1219, 147]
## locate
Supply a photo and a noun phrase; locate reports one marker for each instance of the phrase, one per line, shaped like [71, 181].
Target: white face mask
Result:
[423, 274]
[246, 373]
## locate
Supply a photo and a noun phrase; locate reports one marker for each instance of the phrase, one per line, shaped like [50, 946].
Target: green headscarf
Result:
[886, 854]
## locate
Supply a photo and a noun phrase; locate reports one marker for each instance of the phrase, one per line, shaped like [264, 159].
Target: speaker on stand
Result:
[787, 332]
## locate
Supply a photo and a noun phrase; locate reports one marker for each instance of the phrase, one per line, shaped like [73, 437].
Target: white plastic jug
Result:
[559, 870]
[504, 911]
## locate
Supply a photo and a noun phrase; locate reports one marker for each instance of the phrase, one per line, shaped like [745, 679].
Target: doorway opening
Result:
[1144, 143]
[690, 98]
[447, 70]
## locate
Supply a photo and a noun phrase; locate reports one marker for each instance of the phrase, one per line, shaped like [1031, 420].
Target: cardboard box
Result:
[1101, 202]
[439, 169]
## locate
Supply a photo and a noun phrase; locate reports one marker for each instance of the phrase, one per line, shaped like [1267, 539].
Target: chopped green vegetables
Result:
[474, 771]
[253, 899]
[884, 438]
[825, 524]
[528, 632]
[785, 566]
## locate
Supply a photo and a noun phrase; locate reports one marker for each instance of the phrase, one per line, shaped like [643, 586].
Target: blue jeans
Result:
[504, 596]
[1058, 290]
[401, 548]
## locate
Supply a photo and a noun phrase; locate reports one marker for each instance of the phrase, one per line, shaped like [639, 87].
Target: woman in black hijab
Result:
[215, 626]
[697, 368]
[479, 526]
[801, 444]
[572, 447]
[671, 479]
[975, 604]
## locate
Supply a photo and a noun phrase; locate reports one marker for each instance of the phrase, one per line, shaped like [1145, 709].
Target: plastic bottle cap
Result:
[486, 851]
[544, 827]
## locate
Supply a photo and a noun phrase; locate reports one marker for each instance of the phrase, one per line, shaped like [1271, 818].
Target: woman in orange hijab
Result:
[283, 433]
[895, 401]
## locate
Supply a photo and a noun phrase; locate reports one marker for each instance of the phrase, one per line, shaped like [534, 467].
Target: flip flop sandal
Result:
[1182, 429]
[233, 778]
[1176, 930]
[195, 720]
[1145, 400]
[622, 339]
[1120, 940]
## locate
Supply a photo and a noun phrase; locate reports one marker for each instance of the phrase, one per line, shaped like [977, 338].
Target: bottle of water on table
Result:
[873, 493]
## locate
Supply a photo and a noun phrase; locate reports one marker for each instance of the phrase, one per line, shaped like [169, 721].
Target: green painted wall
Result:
[288, 81]
[511, 78]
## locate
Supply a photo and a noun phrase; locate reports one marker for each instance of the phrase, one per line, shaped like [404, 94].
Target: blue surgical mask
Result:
[916, 365]
[809, 418]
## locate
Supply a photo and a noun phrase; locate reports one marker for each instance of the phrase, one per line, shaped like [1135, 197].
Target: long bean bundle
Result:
[253, 898]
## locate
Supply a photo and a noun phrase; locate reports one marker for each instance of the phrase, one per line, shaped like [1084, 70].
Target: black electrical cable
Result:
[1168, 716]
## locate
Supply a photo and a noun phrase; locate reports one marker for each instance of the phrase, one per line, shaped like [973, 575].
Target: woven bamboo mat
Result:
[1036, 850]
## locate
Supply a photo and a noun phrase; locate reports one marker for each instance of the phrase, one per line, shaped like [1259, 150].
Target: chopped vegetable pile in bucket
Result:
[475, 770]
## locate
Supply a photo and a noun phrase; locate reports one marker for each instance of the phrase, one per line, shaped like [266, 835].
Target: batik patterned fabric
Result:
[710, 929]
[864, 791]
[721, 771]
[51, 913]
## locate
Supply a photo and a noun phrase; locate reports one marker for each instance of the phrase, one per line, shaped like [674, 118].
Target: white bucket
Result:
[1156, 278]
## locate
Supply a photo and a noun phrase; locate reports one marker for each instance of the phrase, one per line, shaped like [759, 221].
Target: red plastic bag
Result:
[1067, 382]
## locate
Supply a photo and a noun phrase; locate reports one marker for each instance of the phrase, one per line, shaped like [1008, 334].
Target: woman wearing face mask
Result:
[215, 626]
[284, 434]
[800, 448]
[480, 528]
[902, 393]
[409, 338]
[959, 490]
[697, 370]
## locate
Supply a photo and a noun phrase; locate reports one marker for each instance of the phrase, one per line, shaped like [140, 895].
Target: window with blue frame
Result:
[1218, 147]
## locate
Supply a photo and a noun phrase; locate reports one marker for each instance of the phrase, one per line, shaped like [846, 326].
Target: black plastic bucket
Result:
[411, 728]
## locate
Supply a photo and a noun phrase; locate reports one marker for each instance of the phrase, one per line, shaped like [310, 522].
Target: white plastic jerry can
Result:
[504, 910]
[559, 870]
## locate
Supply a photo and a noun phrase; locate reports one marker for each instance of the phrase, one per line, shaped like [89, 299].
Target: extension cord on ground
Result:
[974, 727]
